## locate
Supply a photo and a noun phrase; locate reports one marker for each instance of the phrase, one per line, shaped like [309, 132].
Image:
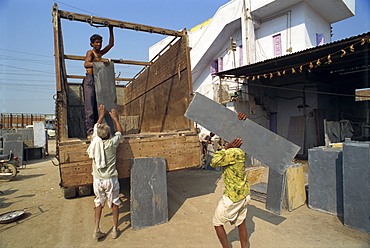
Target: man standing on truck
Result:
[106, 186]
[88, 85]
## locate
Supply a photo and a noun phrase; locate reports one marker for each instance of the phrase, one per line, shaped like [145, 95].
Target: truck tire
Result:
[84, 190]
[69, 192]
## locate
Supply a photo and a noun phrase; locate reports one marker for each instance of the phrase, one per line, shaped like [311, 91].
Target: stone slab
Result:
[27, 134]
[39, 134]
[13, 137]
[255, 174]
[325, 179]
[259, 191]
[356, 185]
[259, 142]
[148, 200]
[295, 193]
[105, 89]
[14, 142]
[275, 191]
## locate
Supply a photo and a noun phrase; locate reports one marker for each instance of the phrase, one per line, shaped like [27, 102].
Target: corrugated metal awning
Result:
[340, 56]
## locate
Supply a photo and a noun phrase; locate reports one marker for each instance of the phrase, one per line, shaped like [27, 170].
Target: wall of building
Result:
[297, 22]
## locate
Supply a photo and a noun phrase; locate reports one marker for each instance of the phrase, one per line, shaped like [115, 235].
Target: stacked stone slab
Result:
[339, 182]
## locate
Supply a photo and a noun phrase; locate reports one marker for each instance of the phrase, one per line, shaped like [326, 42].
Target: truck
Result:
[151, 107]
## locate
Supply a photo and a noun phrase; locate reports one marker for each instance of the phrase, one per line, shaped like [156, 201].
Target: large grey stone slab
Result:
[105, 89]
[14, 142]
[39, 138]
[356, 185]
[259, 142]
[275, 191]
[13, 137]
[27, 133]
[148, 203]
[325, 179]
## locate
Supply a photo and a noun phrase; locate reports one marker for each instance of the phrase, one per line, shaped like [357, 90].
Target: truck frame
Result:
[151, 107]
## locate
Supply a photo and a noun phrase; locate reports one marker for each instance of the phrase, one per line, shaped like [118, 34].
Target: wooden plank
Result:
[85, 163]
[181, 152]
[116, 79]
[116, 61]
[73, 153]
[76, 176]
[163, 108]
[61, 79]
[169, 64]
[93, 20]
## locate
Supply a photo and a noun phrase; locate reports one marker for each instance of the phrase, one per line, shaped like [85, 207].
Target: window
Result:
[216, 66]
[277, 45]
[320, 39]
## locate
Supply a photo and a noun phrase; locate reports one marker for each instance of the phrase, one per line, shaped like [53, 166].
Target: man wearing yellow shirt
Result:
[233, 204]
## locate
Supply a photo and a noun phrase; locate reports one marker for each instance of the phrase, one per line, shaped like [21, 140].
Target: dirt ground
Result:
[52, 221]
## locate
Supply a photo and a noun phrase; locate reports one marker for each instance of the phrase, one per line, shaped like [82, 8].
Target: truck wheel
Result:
[69, 192]
[84, 190]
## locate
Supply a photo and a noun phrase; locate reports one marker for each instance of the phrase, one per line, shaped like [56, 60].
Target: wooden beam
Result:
[61, 80]
[117, 61]
[117, 79]
[104, 22]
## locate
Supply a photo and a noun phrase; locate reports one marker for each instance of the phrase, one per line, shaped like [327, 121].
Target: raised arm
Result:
[113, 114]
[111, 41]
[102, 112]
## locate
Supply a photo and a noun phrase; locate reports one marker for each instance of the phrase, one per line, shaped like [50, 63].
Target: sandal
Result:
[98, 235]
[115, 233]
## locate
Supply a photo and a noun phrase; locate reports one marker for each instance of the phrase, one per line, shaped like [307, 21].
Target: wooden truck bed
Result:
[151, 108]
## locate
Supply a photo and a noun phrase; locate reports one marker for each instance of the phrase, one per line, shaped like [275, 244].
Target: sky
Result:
[27, 66]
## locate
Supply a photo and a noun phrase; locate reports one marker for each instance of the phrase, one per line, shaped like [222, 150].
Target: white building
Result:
[262, 29]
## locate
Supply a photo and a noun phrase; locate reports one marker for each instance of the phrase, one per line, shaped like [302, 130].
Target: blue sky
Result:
[27, 71]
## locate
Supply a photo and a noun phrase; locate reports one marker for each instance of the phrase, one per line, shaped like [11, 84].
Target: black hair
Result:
[95, 37]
